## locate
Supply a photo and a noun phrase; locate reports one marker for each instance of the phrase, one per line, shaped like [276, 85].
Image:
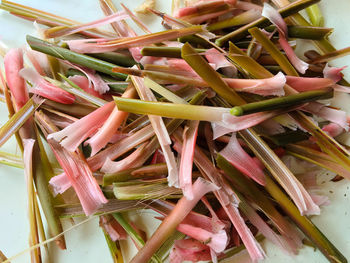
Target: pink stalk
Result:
[38, 60]
[306, 84]
[216, 241]
[88, 46]
[248, 6]
[235, 154]
[205, 17]
[81, 178]
[45, 88]
[265, 87]
[99, 85]
[333, 129]
[284, 243]
[128, 162]
[190, 10]
[336, 116]
[333, 73]
[110, 126]
[121, 147]
[271, 127]
[219, 60]
[85, 85]
[136, 19]
[228, 201]
[189, 250]
[300, 65]
[160, 130]
[182, 66]
[275, 17]
[13, 62]
[170, 223]
[185, 174]
[60, 183]
[113, 228]
[230, 123]
[82, 27]
[73, 135]
[140, 41]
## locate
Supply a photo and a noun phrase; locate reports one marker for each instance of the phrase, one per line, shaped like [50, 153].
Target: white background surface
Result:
[86, 243]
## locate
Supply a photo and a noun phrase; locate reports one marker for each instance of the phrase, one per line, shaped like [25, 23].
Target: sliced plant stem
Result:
[136, 173]
[285, 11]
[238, 20]
[76, 90]
[66, 54]
[209, 75]
[169, 52]
[315, 15]
[332, 55]
[233, 251]
[282, 102]
[10, 108]
[275, 53]
[116, 58]
[305, 32]
[304, 224]
[16, 121]
[11, 160]
[40, 226]
[171, 110]
[133, 234]
[114, 248]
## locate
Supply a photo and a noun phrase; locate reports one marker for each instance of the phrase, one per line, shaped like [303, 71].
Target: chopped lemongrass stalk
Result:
[64, 31]
[110, 126]
[139, 242]
[273, 51]
[318, 158]
[238, 20]
[135, 173]
[73, 57]
[77, 91]
[131, 42]
[145, 190]
[282, 102]
[304, 224]
[17, 121]
[171, 110]
[315, 15]
[163, 91]
[209, 75]
[34, 236]
[170, 52]
[332, 55]
[305, 32]
[261, 22]
[169, 224]
[11, 160]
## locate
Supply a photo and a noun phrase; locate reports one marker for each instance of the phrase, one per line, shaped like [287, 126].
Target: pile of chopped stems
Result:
[199, 123]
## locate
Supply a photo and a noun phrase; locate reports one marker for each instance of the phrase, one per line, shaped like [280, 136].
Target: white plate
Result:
[86, 243]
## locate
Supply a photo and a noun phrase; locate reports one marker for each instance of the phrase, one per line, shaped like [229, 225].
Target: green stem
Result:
[285, 11]
[275, 53]
[169, 52]
[282, 102]
[315, 15]
[332, 55]
[66, 54]
[209, 75]
[170, 110]
[305, 32]
[238, 20]
[304, 224]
